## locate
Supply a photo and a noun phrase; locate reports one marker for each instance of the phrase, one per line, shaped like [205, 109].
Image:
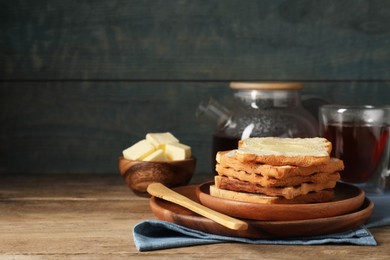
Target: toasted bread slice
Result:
[301, 152]
[311, 197]
[265, 181]
[227, 159]
[289, 192]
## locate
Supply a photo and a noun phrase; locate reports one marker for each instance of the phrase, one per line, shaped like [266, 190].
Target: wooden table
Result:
[84, 217]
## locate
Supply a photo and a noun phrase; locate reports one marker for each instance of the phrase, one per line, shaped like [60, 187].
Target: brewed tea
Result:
[222, 143]
[360, 147]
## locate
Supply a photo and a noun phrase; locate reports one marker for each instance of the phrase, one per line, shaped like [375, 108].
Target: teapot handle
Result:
[213, 111]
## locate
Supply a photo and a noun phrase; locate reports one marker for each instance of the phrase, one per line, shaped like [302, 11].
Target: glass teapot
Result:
[260, 110]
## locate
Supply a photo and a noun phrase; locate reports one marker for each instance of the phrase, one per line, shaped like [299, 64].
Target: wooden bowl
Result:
[139, 174]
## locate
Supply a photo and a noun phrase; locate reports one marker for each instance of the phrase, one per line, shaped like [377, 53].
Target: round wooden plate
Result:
[168, 211]
[348, 198]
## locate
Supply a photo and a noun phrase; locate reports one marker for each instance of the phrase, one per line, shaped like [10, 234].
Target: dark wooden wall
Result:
[82, 80]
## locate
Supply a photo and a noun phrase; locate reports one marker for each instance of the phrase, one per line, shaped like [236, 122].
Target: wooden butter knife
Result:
[161, 191]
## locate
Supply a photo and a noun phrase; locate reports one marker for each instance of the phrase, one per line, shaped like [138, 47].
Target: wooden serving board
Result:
[168, 211]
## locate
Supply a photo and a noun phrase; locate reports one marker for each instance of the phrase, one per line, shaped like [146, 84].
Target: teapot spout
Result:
[213, 111]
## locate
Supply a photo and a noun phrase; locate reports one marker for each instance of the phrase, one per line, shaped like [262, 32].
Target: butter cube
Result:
[159, 140]
[139, 150]
[157, 155]
[177, 151]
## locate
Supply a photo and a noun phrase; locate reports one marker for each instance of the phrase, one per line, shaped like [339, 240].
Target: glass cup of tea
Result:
[360, 137]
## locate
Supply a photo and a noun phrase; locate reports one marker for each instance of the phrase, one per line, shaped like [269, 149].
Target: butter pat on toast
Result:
[301, 152]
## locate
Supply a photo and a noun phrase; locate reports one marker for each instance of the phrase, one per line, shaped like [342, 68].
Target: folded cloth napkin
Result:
[155, 234]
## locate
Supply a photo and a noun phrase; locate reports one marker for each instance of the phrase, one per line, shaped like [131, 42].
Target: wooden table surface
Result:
[92, 216]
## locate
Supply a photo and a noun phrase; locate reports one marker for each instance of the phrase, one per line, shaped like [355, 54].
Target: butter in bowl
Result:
[160, 157]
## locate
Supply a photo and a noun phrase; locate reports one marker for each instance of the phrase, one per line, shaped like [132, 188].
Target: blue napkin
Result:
[155, 234]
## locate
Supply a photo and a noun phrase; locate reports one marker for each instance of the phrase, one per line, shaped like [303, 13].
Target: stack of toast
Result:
[277, 171]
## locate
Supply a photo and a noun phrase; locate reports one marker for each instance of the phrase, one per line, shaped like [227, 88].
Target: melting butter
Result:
[284, 146]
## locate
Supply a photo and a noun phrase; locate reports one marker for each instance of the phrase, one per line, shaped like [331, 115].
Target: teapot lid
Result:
[266, 85]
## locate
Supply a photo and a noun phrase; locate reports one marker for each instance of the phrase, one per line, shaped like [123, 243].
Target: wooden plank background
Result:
[82, 80]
